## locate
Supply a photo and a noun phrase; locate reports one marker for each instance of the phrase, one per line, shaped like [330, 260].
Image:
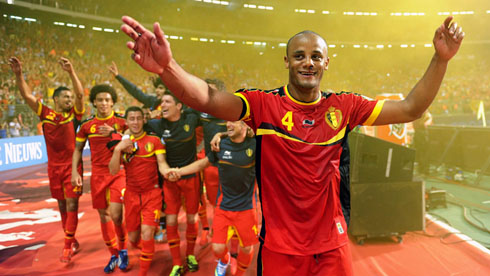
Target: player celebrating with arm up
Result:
[300, 131]
[59, 126]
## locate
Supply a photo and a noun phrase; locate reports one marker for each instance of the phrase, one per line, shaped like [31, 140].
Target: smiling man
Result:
[300, 131]
[177, 129]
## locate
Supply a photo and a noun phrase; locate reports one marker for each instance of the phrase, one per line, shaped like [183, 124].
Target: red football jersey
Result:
[59, 133]
[141, 166]
[298, 155]
[89, 129]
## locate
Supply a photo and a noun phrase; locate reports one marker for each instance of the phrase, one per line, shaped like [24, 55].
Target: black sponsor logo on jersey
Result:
[308, 123]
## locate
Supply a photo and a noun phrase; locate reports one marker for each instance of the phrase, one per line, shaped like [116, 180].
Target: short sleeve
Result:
[365, 111]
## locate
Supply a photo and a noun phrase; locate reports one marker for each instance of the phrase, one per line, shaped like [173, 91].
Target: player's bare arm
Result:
[447, 40]
[67, 66]
[25, 90]
[76, 178]
[152, 52]
[194, 167]
[165, 169]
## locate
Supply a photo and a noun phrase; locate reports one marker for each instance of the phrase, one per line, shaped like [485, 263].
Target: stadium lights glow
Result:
[59, 23]
[361, 13]
[427, 45]
[97, 29]
[443, 13]
[16, 17]
[260, 7]
[404, 46]
[389, 46]
[357, 46]
[282, 45]
[230, 41]
[224, 3]
[30, 19]
[412, 45]
[81, 26]
[380, 46]
[194, 39]
[4, 15]
[325, 12]
[175, 37]
[71, 25]
[488, 11]
[334, 55]
[331, 46]
[407, 14]
[248, 42]
[10, 2]
[108, 30]
[365, 46]
[202, 39]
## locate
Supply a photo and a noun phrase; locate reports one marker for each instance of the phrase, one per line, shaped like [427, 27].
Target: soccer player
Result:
[140, 152]
[59, 125]
[236, 208]
[177, 129]
[299, 131]
[106, 189]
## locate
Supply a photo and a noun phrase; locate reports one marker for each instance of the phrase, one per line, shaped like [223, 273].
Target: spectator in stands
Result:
[14, 127]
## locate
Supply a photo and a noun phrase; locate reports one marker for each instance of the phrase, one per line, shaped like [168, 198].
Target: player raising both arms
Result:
[59, 125]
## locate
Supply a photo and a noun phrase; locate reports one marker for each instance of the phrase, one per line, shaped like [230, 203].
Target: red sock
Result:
[234, 245]
[243, 261]
[174, 243]
[224, 256]
[122, 235]
[191, 235]
[70, 228]
[146, 255]
[203, 216]
[109, 236]
[63, 219]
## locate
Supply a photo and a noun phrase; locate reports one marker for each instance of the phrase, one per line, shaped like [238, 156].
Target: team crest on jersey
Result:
[116, 127]
[333, 117]
[149, 147]
[249, 152]
[187, 128]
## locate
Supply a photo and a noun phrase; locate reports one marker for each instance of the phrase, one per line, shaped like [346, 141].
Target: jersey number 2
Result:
[287, 120]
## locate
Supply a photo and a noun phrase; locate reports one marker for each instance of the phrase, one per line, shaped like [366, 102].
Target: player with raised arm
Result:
[59, 125]
[299, 131]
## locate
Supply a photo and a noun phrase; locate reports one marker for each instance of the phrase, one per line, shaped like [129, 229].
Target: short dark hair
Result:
[103, 88]
[220, 85]
[58, 91]
[177, 101]
[133, 109]
[302, 33]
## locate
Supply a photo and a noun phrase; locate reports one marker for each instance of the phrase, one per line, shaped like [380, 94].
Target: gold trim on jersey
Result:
[142, 135]
[106, 118]
[96, 135]
[247, 113]
[374, 115]
[235, 165]
[185, 140]
[39, 108]
[332, 140]
[161, 151]
[300, 102]
[81, 140]
[145, 155]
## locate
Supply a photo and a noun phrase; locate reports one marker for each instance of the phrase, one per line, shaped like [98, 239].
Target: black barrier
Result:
[465, 147]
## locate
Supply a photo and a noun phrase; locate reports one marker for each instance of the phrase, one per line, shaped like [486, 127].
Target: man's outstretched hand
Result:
[151, 50]
[447, 39]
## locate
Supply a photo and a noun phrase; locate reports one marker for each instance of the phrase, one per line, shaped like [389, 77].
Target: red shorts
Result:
[189, 187]
[335, 262]
[142, 208]
[211, 180]
[243, 223]
[107, 188]
[60, 182]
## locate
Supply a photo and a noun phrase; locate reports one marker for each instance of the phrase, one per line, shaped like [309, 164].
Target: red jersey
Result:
[59, 133]
[141, 166]
[298, 155]
[100, 154]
